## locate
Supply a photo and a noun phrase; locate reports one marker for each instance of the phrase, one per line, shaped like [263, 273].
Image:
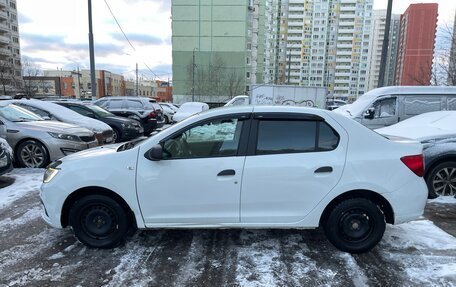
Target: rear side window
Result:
[132, 104]
[115, 104]
[295, 136]
[416, 105]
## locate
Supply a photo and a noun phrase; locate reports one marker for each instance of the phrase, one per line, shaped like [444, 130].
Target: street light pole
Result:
[92, 55]
[384, 57]
[137, 83]
[193, 76]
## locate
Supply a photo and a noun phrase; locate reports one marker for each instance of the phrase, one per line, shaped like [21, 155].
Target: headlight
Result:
[65, 137]
[51, 171]
[128, 126]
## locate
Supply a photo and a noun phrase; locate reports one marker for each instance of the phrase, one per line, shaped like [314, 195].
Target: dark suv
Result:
[124, 129]
[146, 111]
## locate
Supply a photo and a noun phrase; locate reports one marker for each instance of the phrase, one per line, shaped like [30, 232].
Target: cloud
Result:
[139, 39]
[24, 19]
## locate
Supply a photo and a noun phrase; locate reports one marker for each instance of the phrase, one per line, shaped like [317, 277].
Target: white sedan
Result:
[189, 109]
[242, 167]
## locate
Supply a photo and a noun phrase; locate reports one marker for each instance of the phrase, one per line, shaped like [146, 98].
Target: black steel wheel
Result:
[355, 225]
[441, 180]
[99, 221]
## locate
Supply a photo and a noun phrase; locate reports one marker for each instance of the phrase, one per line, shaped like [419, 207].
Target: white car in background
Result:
[242, 167]
[189, 109]
[170, 105]
[168, 113]
[51, 111]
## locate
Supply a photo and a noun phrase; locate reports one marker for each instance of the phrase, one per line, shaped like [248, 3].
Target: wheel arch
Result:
[437, 161]
[376, 198]
[80, 193]
[16, 146]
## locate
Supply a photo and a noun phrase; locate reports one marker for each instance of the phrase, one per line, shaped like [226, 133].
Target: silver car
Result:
[36, 142]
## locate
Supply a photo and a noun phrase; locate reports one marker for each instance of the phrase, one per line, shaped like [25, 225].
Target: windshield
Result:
[100, 111]
[17, 114]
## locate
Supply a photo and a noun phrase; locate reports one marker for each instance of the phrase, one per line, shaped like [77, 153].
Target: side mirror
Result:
[369, 113]
[155, 153]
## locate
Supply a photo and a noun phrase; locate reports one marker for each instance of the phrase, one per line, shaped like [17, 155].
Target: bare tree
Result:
[216, 79]
[30, 72]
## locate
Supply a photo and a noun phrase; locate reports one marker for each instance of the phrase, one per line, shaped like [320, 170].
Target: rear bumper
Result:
[152, 124]
[409, 201]
[129, 134]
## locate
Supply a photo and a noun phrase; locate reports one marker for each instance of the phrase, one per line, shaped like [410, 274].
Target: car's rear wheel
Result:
[441, 180]
[355, 225]
[33, 154]
[99, 221]
[166, 119]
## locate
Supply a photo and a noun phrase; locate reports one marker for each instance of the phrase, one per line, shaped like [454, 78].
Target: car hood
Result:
[54, 126]
[91, 153]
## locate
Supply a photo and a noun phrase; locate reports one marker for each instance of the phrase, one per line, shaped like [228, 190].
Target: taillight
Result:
[415, 163]
[152, 115]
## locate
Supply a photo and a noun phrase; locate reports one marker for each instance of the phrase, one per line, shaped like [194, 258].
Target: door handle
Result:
[324, 169]
[226, 172]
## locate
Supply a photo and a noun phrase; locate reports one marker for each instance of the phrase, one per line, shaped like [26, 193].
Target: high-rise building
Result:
[218, 48]
[328, 45]
[416, 45]
[10, 55]
[376, 45]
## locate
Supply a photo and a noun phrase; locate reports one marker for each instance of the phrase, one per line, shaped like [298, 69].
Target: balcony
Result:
[345, 38]
[345, 30]
[5, 52]
[347, 8]
[2, 3]
[4, 40]
[344, 53]
[295, 16]
[343, 60]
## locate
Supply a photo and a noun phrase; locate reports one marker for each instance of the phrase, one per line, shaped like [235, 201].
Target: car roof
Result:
[410, 90]
[126, 98]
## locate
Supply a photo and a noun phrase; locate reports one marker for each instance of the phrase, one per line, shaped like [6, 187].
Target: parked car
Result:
[6, 157]
[168, 113]
[389, 105]
[144, 110]
[189, 109]
[172, 106]
[124, 129]
[52, 111]
[332, 104]
[36, 142]
[242, 167]
[437, 132]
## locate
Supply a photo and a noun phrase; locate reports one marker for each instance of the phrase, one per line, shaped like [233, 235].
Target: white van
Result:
[389, 105]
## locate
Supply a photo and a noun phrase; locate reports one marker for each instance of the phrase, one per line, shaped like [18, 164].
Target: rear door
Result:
[292, 162]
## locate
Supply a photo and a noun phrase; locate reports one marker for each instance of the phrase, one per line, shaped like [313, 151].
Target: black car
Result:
[147, 111]
[124, 129]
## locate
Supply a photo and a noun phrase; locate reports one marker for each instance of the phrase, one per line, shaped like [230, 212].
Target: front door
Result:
[199, 180]
[385, 113]
[293, 164]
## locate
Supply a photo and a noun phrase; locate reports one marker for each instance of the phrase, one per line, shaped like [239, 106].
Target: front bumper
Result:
[59, 148]
[50, 216]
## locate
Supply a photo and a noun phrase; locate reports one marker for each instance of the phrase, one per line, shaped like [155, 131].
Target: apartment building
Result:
[10, 55]
[328, 45]
[393, 45]
[218, 48]
[416, 45]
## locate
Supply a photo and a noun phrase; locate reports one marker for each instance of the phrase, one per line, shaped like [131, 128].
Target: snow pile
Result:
[27, 180]
[443, 200]
[424, 127]
[65, 115]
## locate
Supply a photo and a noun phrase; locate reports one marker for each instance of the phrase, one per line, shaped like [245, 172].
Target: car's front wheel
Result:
[441, 180]
[116, 135]
[32, 153]
[355, 225]
[99, 221]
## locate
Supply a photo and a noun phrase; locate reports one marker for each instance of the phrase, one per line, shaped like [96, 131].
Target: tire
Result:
[166, 120]
[441, 180]
[355, 225]
[116, 135]
[99, 221]
[33, 154]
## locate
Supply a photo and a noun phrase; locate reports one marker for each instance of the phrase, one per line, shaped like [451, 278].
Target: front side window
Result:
[215, 138]
[295, 136]
[385, 108]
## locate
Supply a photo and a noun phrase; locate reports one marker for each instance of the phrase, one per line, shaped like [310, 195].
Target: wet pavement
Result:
[32, 254]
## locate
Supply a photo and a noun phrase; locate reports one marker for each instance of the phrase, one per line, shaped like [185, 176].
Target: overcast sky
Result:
[54, 34]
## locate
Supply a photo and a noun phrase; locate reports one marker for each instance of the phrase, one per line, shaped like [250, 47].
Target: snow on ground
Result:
[26, 180]
[443, 200]
[417, 253]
